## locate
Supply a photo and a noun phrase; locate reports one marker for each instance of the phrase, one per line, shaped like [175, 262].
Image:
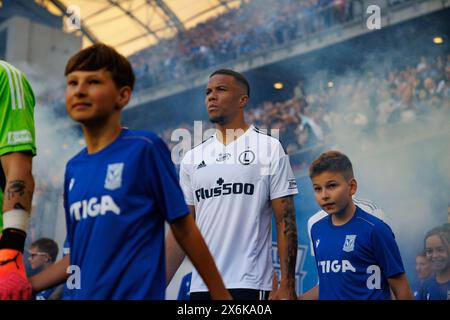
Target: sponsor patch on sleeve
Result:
[17, 137]
[292, 184]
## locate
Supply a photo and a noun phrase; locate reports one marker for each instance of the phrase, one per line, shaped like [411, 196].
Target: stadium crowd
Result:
[365, 102]
[257, 26]
[360, 103]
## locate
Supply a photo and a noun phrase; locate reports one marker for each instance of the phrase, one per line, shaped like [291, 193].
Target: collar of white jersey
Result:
[250, 129]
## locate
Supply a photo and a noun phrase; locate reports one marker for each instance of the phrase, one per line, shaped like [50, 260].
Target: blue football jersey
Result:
[185, 286]
[45, 294]
[432, 290]
[355, 260]
[116, 202]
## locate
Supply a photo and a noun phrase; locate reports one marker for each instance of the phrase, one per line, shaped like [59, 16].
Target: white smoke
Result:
[57, 140]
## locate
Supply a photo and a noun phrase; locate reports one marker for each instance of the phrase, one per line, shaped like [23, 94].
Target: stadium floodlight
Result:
[278, 85]
[438, 40]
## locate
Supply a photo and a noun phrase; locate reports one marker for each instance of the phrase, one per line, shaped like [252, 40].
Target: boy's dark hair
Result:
[99, 56]
[333, 161]
[48, 246]
[239, 77]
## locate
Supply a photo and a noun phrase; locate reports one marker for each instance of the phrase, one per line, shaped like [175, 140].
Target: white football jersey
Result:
[366, 205]
[231, 188]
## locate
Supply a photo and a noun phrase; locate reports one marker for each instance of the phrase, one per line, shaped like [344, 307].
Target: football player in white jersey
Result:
[233, 182]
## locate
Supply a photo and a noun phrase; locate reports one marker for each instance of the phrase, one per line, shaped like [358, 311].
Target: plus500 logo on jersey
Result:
[225, 189]
[92, 207]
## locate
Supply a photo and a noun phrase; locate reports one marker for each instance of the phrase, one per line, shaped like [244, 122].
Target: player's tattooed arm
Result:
[289, 227]
[286, 226]
[19, 186]
[18, 194]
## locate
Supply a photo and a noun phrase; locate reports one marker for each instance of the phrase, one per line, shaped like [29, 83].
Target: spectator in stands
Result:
[235, 33]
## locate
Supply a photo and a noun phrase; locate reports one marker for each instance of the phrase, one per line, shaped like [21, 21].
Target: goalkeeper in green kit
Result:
[17, 148]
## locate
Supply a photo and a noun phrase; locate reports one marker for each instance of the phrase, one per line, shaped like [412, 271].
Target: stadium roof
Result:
[130, 25]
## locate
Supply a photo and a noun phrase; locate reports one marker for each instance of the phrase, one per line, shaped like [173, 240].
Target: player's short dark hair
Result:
[333, 161]
[48, 246]
[239, 77]
[99, 56]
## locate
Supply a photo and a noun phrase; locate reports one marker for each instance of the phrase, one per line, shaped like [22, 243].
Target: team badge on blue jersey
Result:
[349, 244]
[72, 182]
[113, 179]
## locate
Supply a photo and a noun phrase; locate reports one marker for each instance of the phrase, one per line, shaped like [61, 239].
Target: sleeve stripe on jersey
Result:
[20, 88]
[11, 88]
[14, 75]
[19, 85]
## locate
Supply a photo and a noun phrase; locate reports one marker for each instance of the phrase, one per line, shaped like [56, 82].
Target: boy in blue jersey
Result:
[356, 253]
[118, 192]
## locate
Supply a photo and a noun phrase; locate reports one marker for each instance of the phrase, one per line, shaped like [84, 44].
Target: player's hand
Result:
[274, 286]
[284, 292]
[14, 284]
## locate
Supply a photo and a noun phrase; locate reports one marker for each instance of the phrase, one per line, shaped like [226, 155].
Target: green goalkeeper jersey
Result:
[16, 117]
